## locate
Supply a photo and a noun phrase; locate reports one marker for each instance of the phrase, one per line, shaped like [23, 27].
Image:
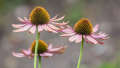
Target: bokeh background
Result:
[103, 12]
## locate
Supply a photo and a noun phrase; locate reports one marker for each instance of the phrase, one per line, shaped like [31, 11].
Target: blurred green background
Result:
[103, 12]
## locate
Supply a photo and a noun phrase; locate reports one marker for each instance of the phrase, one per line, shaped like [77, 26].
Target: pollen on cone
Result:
[39, 15]
[83, 26]
[42, 46]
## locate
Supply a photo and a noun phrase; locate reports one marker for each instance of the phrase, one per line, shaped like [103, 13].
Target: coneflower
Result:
[44, 50]
[84, 31]
[84, 28]
[41, 18]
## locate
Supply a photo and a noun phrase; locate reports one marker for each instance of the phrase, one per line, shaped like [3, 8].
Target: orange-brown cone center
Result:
[39, 16]
[83, 26]
[42, 47]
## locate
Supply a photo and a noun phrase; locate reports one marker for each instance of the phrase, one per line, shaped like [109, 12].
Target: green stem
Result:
[81, 53]
[39, 64]
[36, 47]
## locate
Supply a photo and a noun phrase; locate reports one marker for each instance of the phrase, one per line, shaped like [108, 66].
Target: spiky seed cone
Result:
[42, 47]
[39, 16]
[83, 26]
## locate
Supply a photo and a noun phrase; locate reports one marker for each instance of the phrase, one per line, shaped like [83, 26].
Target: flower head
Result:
[84, 28]
[44, 50]
[39, 15]
[41, 18]
[42, 47]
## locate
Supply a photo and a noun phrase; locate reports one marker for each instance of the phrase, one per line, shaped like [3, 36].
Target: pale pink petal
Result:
[51, 30]
[46, 54]
[25, 18]
[40, 28]
[27, 21]
[87, 40]
[53, 27]
[32, 29]
[70, 34]
[26, 27]
[95, 29]
[18, 54]
[54, 17]
[100, 42]
[92, 39]
[99, 36]
[60, 24]
[58, 19]
[54, 49]
[24, 21]
[106, 36]
[50, 46]
[21, 20]
[18, 25]
[57, 50]
[93, 43]
[103, 34]
[62, 27]
[45, 27]
[26, 52]
[68, 30]
[73, 38]
[79, 39]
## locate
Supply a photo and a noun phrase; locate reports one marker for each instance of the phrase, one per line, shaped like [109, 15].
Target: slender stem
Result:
[36, 47]
[81, 53]
[39, 64]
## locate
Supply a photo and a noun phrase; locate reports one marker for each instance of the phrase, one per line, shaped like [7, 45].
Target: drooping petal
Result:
[21, 20]
[32, 29]
[99, 36]
[26, 52]
[26, 27]
[45, 27]
[60, 24]
[25, 18]
[18, 54]
[95, 29]
[103, 34]
[57, 50]
[40, 28]
[90, 39]
[18, 25]
[54, 17]
[24, 21]
[46, 54]
[50, 46]
[53, 27]
[51, 30]
[79, 39]
[58, 19]
[68, 30]
[100, 42]
[73, 38]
